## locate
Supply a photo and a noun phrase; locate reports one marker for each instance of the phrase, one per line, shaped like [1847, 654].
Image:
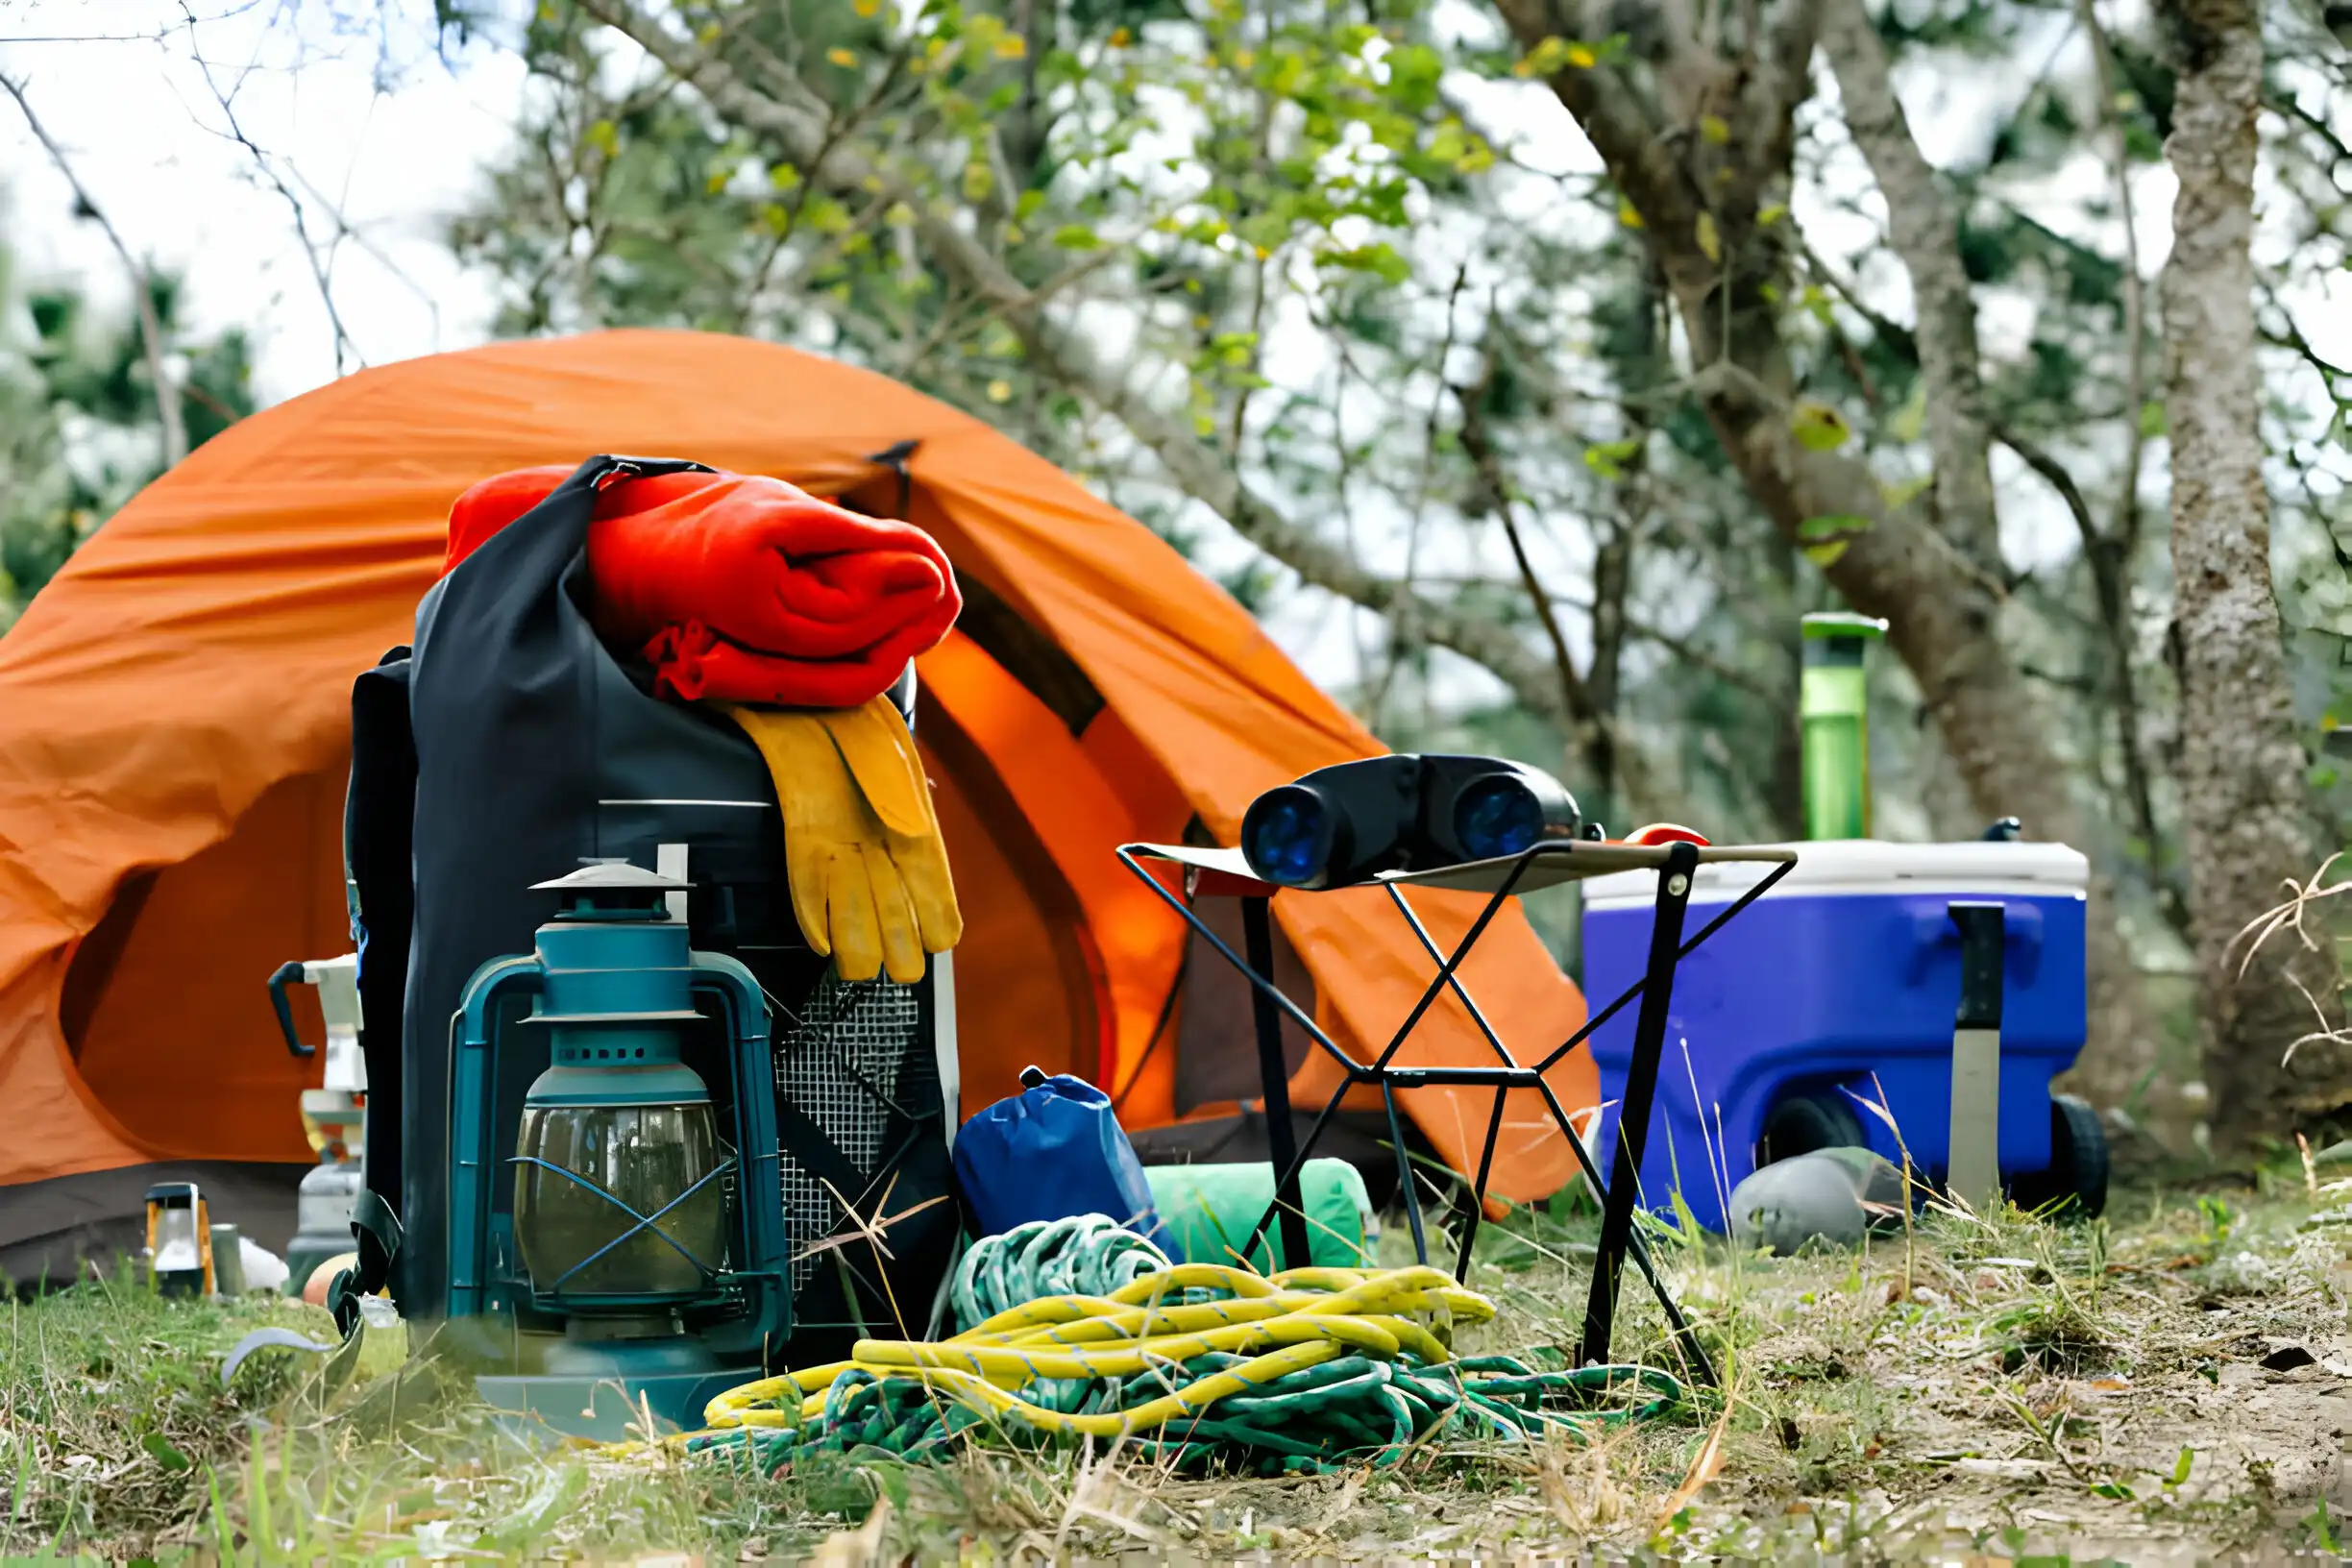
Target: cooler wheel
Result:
[1800, 1123]
[2074, 1186]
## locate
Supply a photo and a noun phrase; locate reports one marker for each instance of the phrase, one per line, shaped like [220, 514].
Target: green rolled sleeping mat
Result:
[1209, 1211]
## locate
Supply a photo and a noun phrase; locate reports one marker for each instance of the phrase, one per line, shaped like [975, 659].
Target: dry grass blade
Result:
[2289, 916]
[1704, 1467]
[870, 1232]
[857, 1548]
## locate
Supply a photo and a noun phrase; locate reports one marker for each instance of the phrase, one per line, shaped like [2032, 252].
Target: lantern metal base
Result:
[608, 1408]
[605, 1389]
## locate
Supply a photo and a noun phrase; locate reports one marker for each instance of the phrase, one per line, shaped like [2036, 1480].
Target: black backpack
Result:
[523, 749]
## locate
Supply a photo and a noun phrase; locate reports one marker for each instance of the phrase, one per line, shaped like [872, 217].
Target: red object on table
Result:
[1666, 833]
[741, 588]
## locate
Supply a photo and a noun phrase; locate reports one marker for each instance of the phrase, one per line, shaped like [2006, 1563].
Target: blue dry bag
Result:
[1053, 1151]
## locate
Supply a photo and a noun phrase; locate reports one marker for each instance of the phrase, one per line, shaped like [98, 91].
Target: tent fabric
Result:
[174, 715]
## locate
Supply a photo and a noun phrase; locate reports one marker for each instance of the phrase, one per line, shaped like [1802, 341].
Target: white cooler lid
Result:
[1872, 866]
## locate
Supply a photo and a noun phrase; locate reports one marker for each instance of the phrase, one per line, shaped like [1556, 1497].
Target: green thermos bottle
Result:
[1834, 714]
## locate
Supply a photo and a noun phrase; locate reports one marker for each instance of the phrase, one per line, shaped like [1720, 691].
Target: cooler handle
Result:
[1933, 931]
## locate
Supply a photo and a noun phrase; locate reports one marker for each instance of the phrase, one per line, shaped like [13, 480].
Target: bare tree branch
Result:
[2135, 306]
[1923, 226]
[227, 100]
[798, 120]
[169, 414]
[1496, 497]
[2056, 475]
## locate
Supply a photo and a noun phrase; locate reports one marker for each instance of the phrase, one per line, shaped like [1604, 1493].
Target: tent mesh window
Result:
[853, 1050]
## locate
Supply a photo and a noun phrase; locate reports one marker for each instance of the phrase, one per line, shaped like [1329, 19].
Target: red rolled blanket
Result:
[740, 588]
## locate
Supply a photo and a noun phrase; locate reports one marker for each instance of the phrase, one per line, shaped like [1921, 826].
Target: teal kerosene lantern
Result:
[642, 1263]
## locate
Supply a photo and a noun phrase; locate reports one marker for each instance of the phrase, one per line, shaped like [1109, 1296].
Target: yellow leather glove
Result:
[862, 850]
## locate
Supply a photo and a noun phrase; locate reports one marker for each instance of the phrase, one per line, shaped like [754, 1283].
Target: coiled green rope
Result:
[1086, 1255]
[1203, 1365]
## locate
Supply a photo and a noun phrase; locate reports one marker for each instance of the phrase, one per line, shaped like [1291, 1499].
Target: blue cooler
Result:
[1838, 987]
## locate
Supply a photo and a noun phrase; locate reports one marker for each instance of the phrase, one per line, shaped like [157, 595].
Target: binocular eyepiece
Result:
[1348, 823]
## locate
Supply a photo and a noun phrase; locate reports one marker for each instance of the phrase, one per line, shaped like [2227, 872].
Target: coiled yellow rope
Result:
[1283, 1329]
[1292, 1370]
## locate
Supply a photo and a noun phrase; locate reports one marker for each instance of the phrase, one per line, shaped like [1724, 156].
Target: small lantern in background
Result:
[178, 1239]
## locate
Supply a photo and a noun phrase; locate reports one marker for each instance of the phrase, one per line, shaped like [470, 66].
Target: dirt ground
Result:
[2170, 1385]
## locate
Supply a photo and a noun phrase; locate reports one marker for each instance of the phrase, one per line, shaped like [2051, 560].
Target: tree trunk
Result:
[2243, 794]
[1701, 203]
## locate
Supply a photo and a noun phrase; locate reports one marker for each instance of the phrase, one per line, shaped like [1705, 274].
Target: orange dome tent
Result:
[174, 733]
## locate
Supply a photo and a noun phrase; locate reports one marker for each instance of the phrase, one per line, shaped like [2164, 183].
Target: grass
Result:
[2162, 1385]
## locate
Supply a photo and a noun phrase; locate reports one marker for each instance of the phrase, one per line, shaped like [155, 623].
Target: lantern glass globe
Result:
[647, 1156]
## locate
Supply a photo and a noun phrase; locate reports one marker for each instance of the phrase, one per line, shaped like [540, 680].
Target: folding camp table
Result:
[1226, 872]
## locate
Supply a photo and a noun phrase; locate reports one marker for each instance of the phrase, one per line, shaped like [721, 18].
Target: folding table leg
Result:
[1286, 1174]
[1274, 1079]
[1477, 1191]
[1405, 1175]
[1641, 1088]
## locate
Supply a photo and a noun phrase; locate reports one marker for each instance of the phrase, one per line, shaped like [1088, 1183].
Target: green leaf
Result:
[166, 1455]
[2115, 1491]
[1627, 215]
[1077, 236]
[2152, 419]
[2183, 1465]
[1911, 417]
[605, 137]
[1818, 426]
[827, 216]
[1902, 494]
[1771, 215]
[1830, 524]
[1714, 130]
[1380, 261]
[1549, 57]
[1607, 459]
[2323, 1527]
[1413, 72]
[1823, 539]
[1709, 241]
